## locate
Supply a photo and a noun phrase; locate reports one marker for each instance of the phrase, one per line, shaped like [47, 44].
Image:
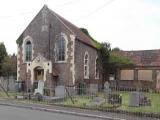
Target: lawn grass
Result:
[79, 101]
[10, 94]
[154, 108]
[83, 100]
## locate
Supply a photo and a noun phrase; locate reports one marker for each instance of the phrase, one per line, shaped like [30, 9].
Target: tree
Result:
[116, 59]
[104, 54]
[9, 67]
[116, 49]
[109, 60]
[3, 54]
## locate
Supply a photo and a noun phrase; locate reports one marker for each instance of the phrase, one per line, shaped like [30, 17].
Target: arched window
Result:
[86, 65]
[28, 51]
[96, 69]
[60, 48]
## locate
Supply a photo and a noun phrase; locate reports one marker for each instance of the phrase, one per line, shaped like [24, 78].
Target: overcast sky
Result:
[127, 24]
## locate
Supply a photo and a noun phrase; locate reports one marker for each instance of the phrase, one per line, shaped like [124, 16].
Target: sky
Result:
[127, 24]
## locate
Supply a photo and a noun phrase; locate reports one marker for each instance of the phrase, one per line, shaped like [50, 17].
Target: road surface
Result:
[13, 113]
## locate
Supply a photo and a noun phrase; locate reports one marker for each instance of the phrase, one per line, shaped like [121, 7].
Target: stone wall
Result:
[80, 49]
[44, 43]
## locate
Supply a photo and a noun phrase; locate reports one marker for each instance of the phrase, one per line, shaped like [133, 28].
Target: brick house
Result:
[54, 50]
[145, 73]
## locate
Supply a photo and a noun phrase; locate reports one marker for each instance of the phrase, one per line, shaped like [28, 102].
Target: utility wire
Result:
[31, 12]
[98, 9]
[65, 3]
[68, 3]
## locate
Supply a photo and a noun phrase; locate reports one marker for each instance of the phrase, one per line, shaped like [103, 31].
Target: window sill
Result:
[27, 61]
[61, 62]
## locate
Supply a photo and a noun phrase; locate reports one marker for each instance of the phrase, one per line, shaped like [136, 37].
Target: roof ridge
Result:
[72, 26]
[57, 16]
[140, 50]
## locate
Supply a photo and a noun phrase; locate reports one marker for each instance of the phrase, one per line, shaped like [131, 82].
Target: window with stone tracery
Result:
[28, 51]
[96, 69]
[60, 49]
[86, 65]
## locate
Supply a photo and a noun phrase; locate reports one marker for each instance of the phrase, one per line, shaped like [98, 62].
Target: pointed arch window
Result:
[96, 69]
[28, 51]
[86, 65]
[61, 48]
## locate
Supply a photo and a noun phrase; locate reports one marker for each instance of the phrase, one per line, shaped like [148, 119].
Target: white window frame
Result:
[65, 49]
[86, 66]
[25, 40]
[28, 51]
[96, 74]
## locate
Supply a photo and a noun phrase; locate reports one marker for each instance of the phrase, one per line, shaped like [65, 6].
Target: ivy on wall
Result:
[97, 44]
[114, 57]
[120, 60]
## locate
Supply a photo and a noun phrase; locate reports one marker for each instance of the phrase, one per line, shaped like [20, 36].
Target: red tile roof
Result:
[143, 57]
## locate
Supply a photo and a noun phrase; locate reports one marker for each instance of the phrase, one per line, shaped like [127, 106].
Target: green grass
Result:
[154, 108]
[11, 94]
[79, 101]
[83, 100]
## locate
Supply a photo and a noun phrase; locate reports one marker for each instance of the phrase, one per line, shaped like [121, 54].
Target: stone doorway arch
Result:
[38, 73]
[40, 66]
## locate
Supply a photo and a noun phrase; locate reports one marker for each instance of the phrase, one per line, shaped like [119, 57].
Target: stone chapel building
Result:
[54, 50]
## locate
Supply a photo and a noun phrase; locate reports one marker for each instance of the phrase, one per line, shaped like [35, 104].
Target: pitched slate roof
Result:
[75, 30]
[72, 28]
[143, 57]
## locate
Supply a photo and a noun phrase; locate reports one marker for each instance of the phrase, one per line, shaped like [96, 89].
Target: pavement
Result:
[72, 111]
[14, 113]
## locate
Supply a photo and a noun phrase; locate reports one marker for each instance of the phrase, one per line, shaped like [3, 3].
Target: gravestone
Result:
[107, 89]
[40, 87]
[97, 101]
[11, 85]
[134, 99]
[60, 91]
[93, 88]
